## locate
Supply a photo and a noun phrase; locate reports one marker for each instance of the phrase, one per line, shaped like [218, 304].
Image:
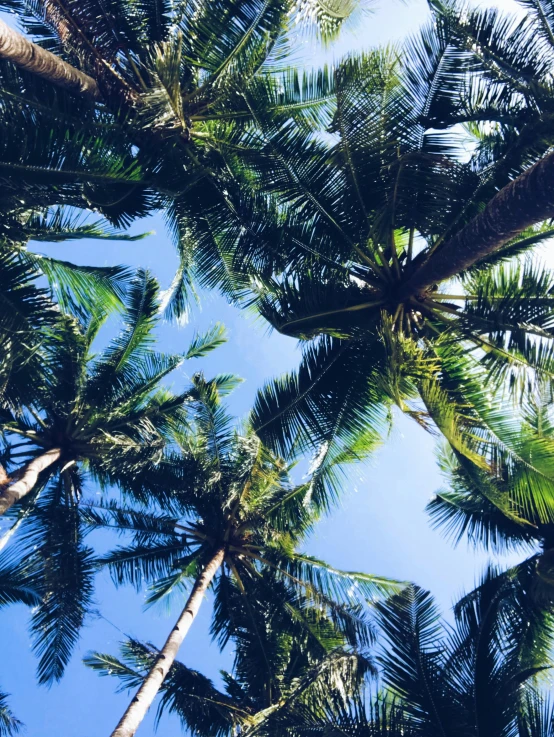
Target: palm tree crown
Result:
[90, 408]
[233, 493]
[241, 517]
[103, 416]
[171, 80]
[480, 676]
[357, 216]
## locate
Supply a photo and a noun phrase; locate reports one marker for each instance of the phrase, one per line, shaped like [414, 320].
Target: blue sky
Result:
[380, 526]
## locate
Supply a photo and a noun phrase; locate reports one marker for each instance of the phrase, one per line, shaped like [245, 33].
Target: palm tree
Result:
[102, 416]
[357, 215]
[161, 86]
[90, 409]
[480, 676]
[242, 516]
[507, 103]
[493, 74]
[288, 670]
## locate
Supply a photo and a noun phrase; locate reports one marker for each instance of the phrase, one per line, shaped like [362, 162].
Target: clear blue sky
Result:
[381, 526]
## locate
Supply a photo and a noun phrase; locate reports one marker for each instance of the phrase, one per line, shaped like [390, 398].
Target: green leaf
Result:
[9, 724]
[201, 345]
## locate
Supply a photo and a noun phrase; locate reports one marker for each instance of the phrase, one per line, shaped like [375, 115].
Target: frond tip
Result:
[327, 16]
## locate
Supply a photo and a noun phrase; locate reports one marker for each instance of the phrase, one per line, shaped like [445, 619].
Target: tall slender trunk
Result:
[13, 493]
[527, 200]
[33, 58]
[136, 711]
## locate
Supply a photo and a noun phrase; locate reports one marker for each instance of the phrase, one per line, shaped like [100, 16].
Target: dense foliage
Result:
[386, 213]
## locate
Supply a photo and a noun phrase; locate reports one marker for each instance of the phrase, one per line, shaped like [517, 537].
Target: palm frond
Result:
[144, 563]
[82, 288]
[314, 406]
[117, 365]
[16, 586]
[9, 724]
[414, 663]
[201, 345]
[345, 588]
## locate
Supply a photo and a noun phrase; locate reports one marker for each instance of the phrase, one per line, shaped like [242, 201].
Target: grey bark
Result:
[12, 493]
[33, 58]
[526, 201]
[136, 711]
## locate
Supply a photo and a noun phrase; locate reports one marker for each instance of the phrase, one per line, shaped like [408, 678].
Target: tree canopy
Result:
[386, 212]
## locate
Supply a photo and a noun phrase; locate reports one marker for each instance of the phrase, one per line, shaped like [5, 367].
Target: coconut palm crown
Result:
[481, 675]
[169, 81]
[355, 217]
[237, 516]
[100, 416]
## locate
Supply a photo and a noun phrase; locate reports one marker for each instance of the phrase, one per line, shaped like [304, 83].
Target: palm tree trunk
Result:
[525, 201]
[13, 493]
[136, 711]
[33, 58]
